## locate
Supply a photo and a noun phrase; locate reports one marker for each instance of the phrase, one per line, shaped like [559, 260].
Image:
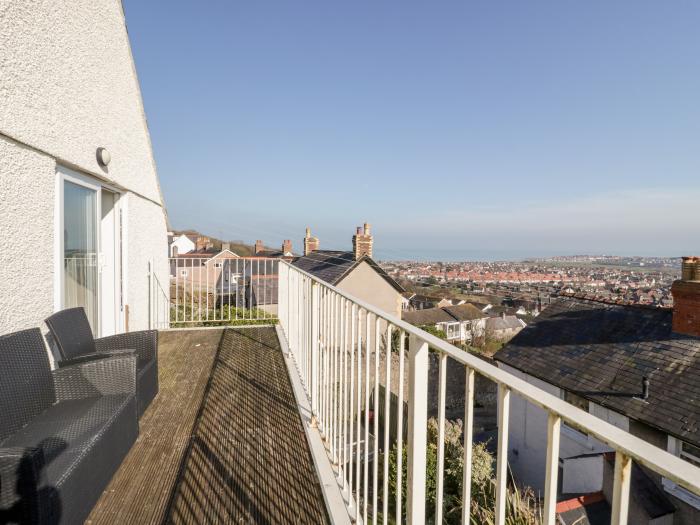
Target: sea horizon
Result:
[490, 255]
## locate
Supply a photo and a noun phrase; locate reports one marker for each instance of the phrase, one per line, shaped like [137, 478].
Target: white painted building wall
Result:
[527, 440]
[68, 86]
[181, 245]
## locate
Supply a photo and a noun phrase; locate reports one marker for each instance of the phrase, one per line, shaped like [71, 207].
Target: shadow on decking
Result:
[223, 442]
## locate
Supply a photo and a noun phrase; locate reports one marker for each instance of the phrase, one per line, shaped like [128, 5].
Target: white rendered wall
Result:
[527, 438]
[147, 241]
[183, 245]
[365, 283]
[68, 86]
[27, 182]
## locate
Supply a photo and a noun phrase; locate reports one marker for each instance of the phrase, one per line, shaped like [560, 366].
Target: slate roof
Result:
[509, 322]
[601, 351]
[272, 254]
[445, 314]
[427, 316]
[465, 312]
[333, 266]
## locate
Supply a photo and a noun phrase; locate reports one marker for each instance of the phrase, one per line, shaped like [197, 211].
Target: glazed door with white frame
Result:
[90, 251]
[109, 264]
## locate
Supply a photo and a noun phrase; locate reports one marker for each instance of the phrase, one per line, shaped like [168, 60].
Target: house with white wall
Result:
[635, 367]
[82, 217]
[180, 244]
[461, 323]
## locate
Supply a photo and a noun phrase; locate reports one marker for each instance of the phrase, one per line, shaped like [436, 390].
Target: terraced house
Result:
[127, 397]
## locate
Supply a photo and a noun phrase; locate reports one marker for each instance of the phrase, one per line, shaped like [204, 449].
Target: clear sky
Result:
[512, 127]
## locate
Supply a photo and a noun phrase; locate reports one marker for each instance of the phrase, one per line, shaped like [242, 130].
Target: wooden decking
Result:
[223, 441]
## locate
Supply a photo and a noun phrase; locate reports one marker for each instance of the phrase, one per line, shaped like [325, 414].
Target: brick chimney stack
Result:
[259, 246]
[311, 244]
[362, 242]
[686, 298]
[286, 246]
[202, 243]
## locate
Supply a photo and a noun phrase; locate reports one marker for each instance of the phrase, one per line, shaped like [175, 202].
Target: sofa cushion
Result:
[67, 430]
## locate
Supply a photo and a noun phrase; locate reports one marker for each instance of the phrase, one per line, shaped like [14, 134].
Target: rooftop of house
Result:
[601, 351]
[445, 314]
[333, 266]
[505, 322]
[205, 253]
[271, 253]
[427, 316]
[465, 312]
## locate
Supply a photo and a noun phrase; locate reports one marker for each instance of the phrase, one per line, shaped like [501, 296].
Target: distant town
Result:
[532, 283]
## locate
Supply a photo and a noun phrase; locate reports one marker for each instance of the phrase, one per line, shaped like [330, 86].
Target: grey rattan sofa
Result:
[73, 336]
[63, 433]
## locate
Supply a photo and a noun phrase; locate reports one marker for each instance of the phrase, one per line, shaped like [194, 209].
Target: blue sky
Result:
[539, 127]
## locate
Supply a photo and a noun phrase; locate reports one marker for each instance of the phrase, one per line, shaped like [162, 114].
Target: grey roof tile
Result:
[601, 351]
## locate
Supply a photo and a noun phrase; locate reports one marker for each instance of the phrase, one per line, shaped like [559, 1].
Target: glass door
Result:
[80, 250]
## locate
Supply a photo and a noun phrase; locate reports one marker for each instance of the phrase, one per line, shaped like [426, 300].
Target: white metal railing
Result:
[223, 289]
[342, 349]
[159, 304]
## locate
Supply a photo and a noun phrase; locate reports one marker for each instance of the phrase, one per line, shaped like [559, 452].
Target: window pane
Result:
[690, 453]
[80, 249]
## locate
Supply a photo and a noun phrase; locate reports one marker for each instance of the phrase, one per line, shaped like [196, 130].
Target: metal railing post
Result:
[417, 429]
[315, 303]
[621, 488]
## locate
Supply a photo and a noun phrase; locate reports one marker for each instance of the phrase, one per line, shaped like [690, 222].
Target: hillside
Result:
[237, 246]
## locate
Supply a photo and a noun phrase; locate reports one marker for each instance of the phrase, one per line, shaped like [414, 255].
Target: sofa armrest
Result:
[96, 355]
[22, 475]
[107, 376]
[145, 343]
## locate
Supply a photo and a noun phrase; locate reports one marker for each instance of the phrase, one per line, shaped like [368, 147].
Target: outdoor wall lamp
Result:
[103, 157]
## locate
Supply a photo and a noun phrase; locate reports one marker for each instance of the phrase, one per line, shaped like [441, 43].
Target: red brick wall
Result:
[686, 307]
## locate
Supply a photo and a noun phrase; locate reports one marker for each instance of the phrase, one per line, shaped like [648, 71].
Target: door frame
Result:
[64, 175]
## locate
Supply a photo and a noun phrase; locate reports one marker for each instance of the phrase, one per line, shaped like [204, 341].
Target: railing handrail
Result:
[672, 467]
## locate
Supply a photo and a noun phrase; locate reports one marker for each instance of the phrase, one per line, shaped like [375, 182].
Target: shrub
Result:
[522, 507]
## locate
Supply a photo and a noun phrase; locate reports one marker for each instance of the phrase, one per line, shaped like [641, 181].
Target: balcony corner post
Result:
[417, 429]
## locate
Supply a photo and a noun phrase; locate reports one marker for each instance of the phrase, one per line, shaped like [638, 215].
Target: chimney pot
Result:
[286, 246]
[690, 269]
[362, 242]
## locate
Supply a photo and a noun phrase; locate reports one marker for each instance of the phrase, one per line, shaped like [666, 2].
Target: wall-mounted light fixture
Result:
[103, 157]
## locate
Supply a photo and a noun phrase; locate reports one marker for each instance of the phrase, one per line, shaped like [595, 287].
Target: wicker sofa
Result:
[63, 432]
[71, 331]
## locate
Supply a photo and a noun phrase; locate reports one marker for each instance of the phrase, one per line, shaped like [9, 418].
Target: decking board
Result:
[222, 442]
[249, 460]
